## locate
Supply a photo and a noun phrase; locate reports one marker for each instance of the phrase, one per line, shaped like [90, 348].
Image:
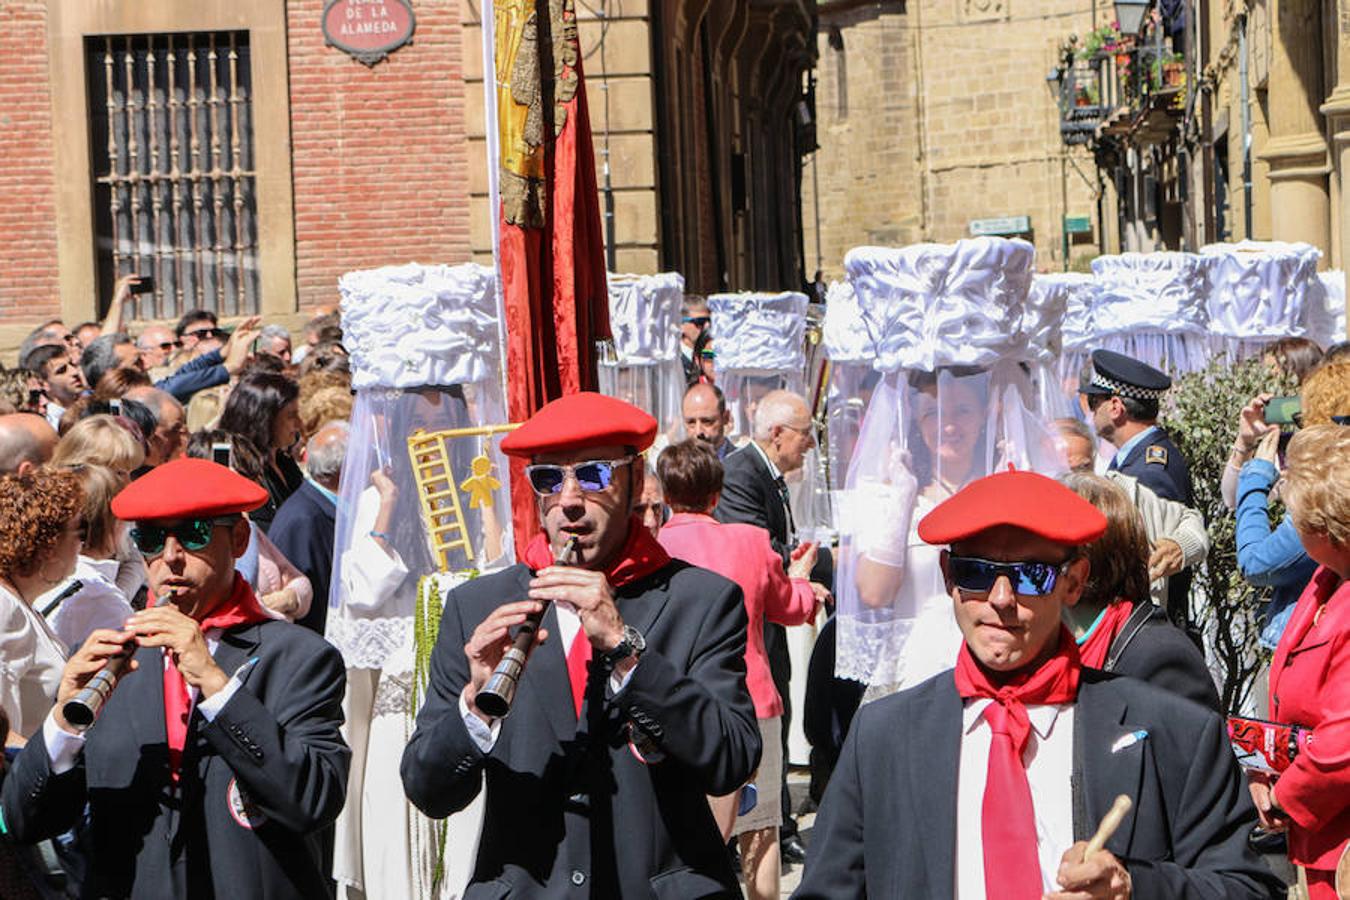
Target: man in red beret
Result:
[633, 705]
[216, 762]
[988, 781]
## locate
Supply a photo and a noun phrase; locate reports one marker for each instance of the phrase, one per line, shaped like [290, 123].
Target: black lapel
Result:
[146, 698]
[1108, 752]
[773, 501]
[935, 735]
[237, 646]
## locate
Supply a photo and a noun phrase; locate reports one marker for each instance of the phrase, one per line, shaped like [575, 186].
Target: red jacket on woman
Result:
[743, 554]
[1310, 686]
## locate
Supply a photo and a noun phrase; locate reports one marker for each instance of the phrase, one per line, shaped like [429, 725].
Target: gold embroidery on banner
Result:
[522, 88]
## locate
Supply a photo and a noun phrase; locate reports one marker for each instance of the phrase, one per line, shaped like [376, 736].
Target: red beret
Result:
[188, 488]
[578, 421]
[1023, 500]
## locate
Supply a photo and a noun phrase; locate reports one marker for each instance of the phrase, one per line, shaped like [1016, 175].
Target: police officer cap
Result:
[1117, 374]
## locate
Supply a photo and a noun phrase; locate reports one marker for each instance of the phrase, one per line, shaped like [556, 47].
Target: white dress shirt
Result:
[1049, 761]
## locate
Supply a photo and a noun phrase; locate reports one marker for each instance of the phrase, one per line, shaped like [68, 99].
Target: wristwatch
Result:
[632, 644]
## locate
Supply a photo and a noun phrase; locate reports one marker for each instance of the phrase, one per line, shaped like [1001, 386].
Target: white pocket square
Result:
[1128, 740]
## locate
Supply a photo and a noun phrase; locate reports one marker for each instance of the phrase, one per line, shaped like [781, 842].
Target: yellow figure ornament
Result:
[481, 484]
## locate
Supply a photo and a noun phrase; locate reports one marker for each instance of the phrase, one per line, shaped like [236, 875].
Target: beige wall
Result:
[940, 114]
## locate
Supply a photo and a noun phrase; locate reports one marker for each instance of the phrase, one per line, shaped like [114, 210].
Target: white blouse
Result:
[99, 603]
[31, 660]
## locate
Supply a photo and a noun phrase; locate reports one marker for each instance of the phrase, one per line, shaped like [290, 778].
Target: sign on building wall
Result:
[1001, 225]
[368, 29]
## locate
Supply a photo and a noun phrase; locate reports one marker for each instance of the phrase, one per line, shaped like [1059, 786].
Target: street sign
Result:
[368, 29]
[1001, 225]
[1077, 225]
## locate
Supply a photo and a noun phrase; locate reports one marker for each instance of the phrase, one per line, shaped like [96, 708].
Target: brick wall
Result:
[379, 155]
[28, 288]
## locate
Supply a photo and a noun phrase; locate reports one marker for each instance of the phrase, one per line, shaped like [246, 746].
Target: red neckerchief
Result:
[1093, 651]
[240, 608]
[641, 555]
[1012, 868]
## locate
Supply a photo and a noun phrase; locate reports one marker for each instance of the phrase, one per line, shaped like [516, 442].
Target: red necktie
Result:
[241, 608]
[578, 659]
[1008, 822]
[1012, 868]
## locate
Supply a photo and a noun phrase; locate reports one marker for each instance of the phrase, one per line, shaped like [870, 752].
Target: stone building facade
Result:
[934, 114]
[228, 148]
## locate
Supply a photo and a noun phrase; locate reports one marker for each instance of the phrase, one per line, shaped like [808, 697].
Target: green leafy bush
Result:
[1202, 420]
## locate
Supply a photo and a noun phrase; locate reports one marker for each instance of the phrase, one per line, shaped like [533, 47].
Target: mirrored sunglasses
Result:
[977, 576]
[192, 534]
[591, 475]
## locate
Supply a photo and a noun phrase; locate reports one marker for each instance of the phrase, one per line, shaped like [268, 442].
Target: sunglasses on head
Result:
[192, 534]
[977, 576]
[591, 475]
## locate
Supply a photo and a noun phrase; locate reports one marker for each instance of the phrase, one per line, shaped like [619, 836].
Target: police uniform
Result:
[1151, 456]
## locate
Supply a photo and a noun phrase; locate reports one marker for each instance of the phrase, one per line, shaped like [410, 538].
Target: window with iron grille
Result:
[174, 184]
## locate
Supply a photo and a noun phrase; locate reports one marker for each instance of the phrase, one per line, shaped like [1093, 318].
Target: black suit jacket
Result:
[570, 810]
[887, 825]
[749, 495]
[1150, 648]
[303, 531]
[276, 739]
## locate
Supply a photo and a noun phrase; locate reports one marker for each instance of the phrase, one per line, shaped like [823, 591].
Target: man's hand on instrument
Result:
[1100, 877]
[164, 626]
[489, 643]
[101, 645]
[590, 594]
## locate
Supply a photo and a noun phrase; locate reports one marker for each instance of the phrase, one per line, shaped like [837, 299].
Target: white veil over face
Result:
[645, 368]
[965, 376]
[760, 345]
[379, 558]
[851, 352]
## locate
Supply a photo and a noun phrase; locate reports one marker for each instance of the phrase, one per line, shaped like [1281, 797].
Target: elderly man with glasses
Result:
[989, 779]
[216, 763]
[633, 705]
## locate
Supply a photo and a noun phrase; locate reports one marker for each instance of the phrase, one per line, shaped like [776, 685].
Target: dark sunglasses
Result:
[977, 576]
[207, 333]
[192, 534]
[167, 345]
[1340, 420]
[700, 321]
[591, 475]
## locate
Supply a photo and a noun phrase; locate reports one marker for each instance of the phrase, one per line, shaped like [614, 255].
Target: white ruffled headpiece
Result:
[844, 331]
[754, 331]
[644, 317]
[962, 304]
[416, 326]
[1078, 292]
[1260, 290]
[1162, 293]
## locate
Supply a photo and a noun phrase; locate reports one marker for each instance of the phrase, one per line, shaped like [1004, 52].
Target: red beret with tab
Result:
[578, 421]
[1023, 500]
[187, 488]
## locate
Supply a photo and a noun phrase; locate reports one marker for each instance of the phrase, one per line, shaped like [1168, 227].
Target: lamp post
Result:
[1130, 15]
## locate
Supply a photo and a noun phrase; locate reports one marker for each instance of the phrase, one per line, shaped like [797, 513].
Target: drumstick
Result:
[1110, 822]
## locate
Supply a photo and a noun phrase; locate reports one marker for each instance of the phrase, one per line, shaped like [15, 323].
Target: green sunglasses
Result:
[192, 534]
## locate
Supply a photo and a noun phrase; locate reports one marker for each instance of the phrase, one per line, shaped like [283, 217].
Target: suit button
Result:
[578, 877]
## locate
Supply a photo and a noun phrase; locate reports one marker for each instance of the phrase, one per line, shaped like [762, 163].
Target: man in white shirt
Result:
[988, 780]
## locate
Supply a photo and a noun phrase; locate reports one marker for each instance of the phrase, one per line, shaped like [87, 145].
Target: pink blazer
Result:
[743, 554]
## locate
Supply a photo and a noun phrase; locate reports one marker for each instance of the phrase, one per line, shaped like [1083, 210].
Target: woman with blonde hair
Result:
[97, 601]
[1117, 626]
[1311, 669]
[102, 441]
[40, 531]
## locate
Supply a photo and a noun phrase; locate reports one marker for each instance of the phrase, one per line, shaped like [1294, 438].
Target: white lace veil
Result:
[963, 355]
[404, 324]
[645, 368]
